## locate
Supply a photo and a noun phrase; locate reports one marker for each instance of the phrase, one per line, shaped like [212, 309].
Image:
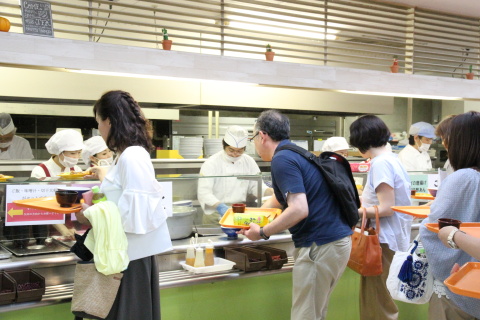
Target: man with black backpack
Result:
[312, 213]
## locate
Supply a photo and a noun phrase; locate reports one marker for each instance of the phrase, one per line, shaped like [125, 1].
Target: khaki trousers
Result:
[444, 309]
[315, 274]
[375, 300]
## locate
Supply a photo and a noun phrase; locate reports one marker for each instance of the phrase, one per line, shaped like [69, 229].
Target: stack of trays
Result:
[21, 286]
[191, 147]
[212, 146]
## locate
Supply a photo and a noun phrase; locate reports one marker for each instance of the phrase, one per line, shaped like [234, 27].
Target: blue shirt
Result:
[292, 173]
[457, 198]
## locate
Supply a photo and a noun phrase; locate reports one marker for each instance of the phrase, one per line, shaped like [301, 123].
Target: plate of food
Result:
[260, 216]
[74, 174]
[4, 178]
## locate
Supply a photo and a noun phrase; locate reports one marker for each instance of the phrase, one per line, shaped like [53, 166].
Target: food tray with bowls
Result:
[219, 265]
[4, 178]
[471, 228]
[416, 211]
[466, 281]
[270, 213]
[423, 196]
[48, 204]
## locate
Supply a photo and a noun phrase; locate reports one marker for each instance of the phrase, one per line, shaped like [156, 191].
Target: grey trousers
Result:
[315, 275]
[444, 309]
[376, 303]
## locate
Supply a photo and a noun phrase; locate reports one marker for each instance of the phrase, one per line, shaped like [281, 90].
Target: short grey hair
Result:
[276, 124]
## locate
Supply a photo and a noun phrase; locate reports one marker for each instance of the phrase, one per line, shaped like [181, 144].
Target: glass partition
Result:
[188, 190]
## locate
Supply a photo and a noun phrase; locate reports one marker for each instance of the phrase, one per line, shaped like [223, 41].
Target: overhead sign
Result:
[16, 215]
[37, 18]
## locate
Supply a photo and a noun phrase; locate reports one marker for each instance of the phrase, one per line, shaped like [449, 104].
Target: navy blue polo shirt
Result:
[292, 173]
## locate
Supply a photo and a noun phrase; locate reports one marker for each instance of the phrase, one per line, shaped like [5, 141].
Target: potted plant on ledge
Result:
[4, 24]
[269, 54]
[470, 73]
[394, 66]
[166, 44]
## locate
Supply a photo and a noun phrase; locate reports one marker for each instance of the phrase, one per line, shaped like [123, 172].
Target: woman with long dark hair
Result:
[457, 198]
[130, 183]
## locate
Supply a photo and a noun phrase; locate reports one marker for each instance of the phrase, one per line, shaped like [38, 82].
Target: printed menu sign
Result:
[37, 18]
[16, 215]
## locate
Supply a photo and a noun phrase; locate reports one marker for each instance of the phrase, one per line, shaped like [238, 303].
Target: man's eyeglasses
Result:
[256, 134]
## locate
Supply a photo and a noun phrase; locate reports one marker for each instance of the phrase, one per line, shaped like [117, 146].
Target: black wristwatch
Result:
[263, 235]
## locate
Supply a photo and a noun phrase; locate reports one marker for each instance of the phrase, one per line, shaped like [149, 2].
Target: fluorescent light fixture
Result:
[147, 76]
[286, 27]
[284, 31]
[402, 95]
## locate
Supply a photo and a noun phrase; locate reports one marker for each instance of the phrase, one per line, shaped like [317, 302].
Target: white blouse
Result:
[131, 184]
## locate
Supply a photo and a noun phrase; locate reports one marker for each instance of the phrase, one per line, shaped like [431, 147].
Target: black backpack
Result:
[338, 175]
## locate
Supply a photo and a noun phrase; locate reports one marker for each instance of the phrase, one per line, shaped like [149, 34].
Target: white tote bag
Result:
[420, 288]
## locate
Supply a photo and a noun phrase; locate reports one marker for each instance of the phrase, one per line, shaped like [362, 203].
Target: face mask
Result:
[231, 159]
[424, 147]
[105, 162]
[5, 144]
[68, 162]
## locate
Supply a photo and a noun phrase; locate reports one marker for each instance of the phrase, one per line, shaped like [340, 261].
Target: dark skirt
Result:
[139, 293]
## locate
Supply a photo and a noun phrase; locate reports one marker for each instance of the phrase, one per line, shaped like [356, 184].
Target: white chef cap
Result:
[335, 143]
[65, 140]
[6, 124]
[236, 137]
[423, 129]
[93, 146]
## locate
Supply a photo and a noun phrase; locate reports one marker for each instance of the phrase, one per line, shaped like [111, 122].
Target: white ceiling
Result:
[470, 8]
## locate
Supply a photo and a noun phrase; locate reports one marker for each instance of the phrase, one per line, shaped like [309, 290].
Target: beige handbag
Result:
[93, 292]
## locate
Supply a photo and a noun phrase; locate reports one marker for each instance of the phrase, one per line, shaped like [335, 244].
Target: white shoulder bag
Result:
[417, 286]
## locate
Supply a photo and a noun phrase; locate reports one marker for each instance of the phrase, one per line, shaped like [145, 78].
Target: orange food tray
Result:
[423, 196]
[466, 281]
[471, 228]
[227, 219]
[416, 211]
[76, 175]
[47, 204]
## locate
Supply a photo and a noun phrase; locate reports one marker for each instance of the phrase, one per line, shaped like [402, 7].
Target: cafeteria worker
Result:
[216, 195]
[66, 148]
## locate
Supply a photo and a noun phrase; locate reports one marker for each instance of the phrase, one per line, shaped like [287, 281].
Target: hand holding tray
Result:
[48, 204]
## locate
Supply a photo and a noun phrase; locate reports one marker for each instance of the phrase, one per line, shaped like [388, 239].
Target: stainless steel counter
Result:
[58, 269]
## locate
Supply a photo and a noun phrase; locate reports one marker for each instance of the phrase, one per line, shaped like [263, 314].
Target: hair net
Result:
[65, 140]
[335, 143]
[236, 137]
[93, 146]
[6, 124]
[422, 129]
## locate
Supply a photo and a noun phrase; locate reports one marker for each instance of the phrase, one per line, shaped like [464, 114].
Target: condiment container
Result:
[190, 258]
[209, 256]
[199, 260]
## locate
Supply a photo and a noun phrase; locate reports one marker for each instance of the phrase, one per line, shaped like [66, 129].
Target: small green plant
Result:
[395, 60]
[470, 69]
[269, 48]
[165, 34]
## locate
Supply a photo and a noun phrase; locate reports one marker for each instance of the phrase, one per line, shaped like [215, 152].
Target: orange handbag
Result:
[366, 255]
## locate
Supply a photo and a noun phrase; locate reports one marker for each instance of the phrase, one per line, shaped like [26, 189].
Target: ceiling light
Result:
[402, 95]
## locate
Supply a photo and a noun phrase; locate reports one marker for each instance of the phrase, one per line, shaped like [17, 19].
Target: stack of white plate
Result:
[212, 146]
[191, 147]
